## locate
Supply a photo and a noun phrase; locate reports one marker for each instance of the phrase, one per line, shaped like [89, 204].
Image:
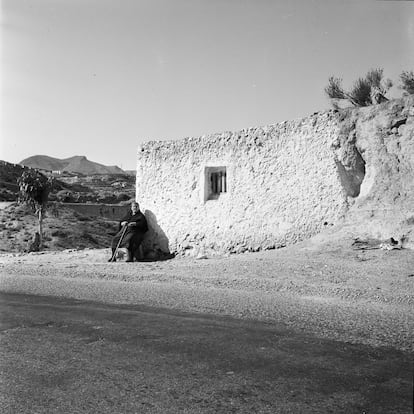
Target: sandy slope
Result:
[63, 228]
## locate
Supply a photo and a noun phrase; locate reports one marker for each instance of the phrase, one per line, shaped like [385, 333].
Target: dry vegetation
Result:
[63, 229]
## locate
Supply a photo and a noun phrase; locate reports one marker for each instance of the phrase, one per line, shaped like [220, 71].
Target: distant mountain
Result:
[9, 174]
[77, 164]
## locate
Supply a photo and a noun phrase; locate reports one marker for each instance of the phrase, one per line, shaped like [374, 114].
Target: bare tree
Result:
[34, 191]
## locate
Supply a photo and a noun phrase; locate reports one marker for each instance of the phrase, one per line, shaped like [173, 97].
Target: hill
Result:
[65, 229]
[96, 188]
[9, 189]
[77, 164]
[9, 173]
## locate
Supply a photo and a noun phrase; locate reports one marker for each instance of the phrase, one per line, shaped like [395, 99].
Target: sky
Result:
[98, 77]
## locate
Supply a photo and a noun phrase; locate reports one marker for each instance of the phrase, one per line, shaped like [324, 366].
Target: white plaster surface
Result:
[285, 182]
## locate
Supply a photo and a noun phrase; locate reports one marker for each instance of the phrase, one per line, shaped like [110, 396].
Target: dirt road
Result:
[69, 356]
[294, 330]
[357, 297]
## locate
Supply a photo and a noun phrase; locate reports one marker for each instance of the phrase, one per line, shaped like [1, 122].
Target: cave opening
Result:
[353, 175]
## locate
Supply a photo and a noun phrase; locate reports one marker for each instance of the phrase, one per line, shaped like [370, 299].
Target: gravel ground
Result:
[357, 296]
[61, 355]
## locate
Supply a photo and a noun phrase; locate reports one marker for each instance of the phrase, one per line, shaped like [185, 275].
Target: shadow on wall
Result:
[349, 161]
[156, 244]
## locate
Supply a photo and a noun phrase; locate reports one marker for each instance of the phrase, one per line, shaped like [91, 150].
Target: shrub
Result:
[123, 197]
[361, 93]
[366, 91]
[59, 233]
[84, 218]
[88, 237]
[65, 196]
[407, 81]
[334, 89]
[7, 195]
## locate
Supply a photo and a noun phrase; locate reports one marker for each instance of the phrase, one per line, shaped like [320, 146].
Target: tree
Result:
[366, 91]
[34, 190]
[407, 81]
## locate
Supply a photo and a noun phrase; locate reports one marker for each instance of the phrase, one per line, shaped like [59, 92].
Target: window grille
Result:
[218, 182]
[215, 182]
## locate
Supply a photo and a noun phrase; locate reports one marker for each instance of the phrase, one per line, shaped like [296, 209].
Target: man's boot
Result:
[130, 258]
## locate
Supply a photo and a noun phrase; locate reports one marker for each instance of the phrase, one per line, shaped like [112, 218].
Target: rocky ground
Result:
[356, 293]
[62, 227]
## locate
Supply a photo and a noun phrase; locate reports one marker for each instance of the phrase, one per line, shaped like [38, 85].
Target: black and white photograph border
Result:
[206, 206]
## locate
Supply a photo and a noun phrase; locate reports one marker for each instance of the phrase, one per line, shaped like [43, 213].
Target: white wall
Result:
[286, 182]
[283, 186]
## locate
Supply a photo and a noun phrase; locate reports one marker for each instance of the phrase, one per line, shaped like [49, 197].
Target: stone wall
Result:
[285, 182]
[283, 186]
[110, 211]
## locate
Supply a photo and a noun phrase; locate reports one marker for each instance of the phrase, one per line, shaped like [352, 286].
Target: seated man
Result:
[133, 227]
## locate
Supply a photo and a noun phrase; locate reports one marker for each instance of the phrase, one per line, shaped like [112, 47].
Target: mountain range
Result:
[77, 164]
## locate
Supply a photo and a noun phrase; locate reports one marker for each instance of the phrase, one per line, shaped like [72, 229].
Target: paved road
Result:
[359, 322]
[73, 356]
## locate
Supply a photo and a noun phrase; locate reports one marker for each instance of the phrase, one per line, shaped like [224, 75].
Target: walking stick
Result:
[119, 243]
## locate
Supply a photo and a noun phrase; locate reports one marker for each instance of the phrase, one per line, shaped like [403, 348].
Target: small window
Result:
[216, 182]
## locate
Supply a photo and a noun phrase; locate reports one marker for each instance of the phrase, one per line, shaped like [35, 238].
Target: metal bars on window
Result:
[214, 182]
[218, 182]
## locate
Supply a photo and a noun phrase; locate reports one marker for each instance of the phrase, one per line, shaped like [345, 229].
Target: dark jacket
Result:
[141, 225]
